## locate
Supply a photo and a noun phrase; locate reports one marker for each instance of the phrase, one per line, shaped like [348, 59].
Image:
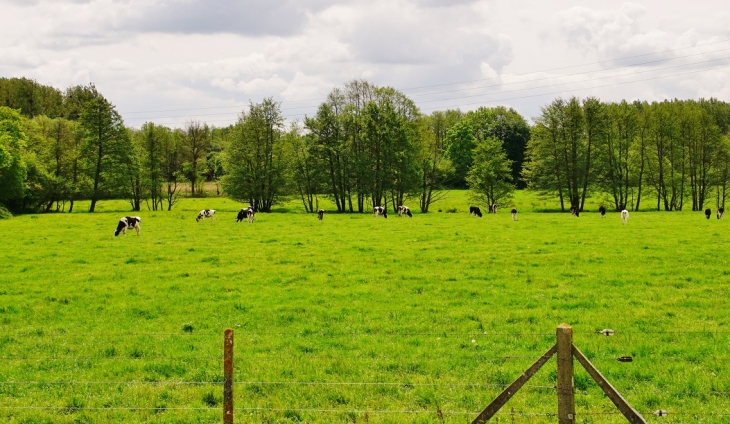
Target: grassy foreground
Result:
[434, 313]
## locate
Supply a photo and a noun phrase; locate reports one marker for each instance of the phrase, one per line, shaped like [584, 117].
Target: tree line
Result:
[674, 154]
[365, 146]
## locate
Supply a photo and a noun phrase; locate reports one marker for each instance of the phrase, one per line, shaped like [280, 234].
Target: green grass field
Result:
[435, 313]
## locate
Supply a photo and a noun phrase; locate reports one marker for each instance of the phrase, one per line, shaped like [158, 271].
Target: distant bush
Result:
[4, 213]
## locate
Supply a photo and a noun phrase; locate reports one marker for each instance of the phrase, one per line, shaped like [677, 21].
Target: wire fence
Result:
[359, 333]
[251, 356]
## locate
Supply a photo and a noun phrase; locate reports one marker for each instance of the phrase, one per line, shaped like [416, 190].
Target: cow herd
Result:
[132, 222]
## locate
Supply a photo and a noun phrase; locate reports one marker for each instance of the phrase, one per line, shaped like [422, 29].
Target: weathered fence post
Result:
[566, 399]
[228, 377]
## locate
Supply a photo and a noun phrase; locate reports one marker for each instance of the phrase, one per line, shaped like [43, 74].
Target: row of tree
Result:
[56, 148]
[673, 152]
[365, 146]
[371, 146]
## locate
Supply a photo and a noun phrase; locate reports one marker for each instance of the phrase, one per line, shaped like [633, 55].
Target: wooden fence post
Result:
[228, 377]
[566, 399]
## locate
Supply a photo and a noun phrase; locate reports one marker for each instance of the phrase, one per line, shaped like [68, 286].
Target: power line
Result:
[571, 75]
[478, 80]
[577, 89]
[477, 88]
[516, 98]
[491, 94]
[573, 82]
[576, 66]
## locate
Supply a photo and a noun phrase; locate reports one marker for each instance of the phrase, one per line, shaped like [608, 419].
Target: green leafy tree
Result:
[331, 146]
[434, 166]
[195, 145]
[55, 145]
[560, 150]
[490, 177]
[461, 141]
[106, 143]
[256, 160]
[171, 166]
[308, 172]
[509, 127]
[12, 167]
[31, 98]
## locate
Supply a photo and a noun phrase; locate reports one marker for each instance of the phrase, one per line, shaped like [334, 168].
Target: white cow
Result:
[624, 216]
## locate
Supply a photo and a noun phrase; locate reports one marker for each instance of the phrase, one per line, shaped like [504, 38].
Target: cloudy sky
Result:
[170, 61]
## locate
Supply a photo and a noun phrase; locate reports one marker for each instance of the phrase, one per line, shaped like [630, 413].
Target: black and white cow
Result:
[602, 211]
[404, 210]
[128, 222]
[380, 211]
[574, 211]
[246, 213]
[720, 212]
[474, 210]
[514, 214]
[320, 214]
[206, 213]
[493, 208]
[708, 213]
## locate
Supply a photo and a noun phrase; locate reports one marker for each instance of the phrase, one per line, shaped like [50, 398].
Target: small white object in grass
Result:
[473, 341]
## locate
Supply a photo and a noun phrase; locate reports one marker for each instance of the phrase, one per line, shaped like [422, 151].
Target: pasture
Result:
[406, 320]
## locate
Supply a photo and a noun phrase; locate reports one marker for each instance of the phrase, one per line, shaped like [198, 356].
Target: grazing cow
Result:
[514, 214]
[206, 213]
[493, 208]
[624, 216]
[574, 211]
[602, 211]
[128, 222]
[404, 210]
[474, 210]
[720, 212]
[320, 214]
[246, 213]
[380, 211]
[708, 213]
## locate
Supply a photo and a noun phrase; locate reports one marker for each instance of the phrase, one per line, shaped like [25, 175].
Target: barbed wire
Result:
[306, 333]
[244, 357]
[269, 409]
[389, 411]
[339, 411]
[296, 334]
[262, 383]
[111, 408]
[325, 383]
[338, 383]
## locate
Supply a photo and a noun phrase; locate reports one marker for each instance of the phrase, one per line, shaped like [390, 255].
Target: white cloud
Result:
[178, 54]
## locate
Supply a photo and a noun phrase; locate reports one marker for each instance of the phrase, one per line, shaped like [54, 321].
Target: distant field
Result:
[444, 306]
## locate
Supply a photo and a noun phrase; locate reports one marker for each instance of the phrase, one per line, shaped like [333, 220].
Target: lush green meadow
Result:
[434, 313]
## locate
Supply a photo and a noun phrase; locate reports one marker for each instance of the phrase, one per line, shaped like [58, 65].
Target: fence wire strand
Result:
[262, 383]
